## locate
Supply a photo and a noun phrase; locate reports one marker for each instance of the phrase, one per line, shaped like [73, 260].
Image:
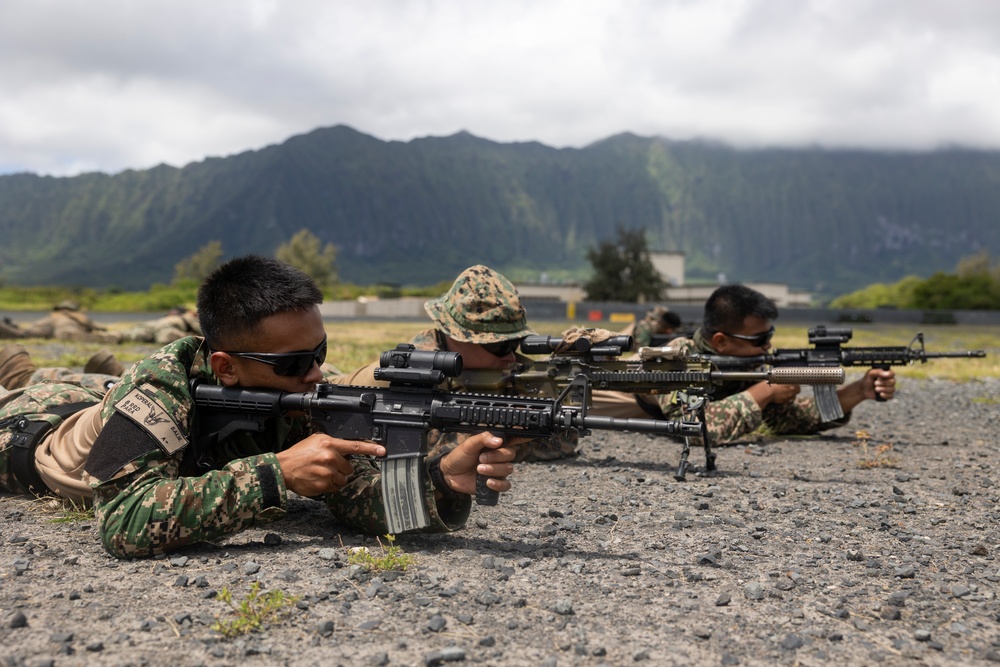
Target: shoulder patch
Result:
[153, 418]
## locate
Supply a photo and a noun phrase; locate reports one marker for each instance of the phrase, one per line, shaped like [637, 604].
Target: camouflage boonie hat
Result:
[481, 307]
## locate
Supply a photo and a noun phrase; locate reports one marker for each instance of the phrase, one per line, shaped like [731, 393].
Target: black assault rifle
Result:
[828, 351]
[692, 379]
[400, 415]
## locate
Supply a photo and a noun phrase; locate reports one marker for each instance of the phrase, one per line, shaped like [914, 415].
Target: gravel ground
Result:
[793, 554]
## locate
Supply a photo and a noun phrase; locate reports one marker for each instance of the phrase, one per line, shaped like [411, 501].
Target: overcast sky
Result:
[106, 85]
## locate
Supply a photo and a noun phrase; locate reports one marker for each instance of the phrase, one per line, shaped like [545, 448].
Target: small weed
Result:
[877, 457]
[253, 611]
[392, 557]
[70, 511]
[988, 400]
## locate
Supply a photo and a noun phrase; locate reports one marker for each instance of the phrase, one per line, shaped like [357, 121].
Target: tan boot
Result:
[104, 362]
[15, 367]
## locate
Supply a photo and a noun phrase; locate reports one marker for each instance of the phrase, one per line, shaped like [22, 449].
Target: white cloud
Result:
[113, 84]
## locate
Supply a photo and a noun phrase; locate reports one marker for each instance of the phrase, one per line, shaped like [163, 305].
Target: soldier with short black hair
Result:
[738, 321]
[159, 485]
[657, 322]
[480, 317]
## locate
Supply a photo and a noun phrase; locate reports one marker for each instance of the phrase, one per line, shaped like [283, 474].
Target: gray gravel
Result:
[792, 555]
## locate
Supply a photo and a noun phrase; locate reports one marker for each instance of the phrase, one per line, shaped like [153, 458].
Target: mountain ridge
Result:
[418, 212]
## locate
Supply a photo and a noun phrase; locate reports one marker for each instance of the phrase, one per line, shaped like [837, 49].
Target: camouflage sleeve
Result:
[732, 418]
[642, 336]
[800, 417]
[727, 419]
[359, 504]
[150, 509]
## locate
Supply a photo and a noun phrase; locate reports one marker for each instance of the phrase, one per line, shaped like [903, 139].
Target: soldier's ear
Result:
[719, 342]
[224, 369]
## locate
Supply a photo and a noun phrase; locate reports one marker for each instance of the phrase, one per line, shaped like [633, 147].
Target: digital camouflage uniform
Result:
[481, 307]
[733, 413]
[159, 484]
[98, 382]
[35, 403]
[642, 332]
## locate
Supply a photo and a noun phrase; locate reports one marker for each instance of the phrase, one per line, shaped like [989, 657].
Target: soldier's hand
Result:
[880, 383]
[765, 394]
[784, 393]
[482, 454]
[319, 464]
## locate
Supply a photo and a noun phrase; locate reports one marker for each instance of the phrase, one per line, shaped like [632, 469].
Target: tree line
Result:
[975, 285]
[621, 270]
[624, 271]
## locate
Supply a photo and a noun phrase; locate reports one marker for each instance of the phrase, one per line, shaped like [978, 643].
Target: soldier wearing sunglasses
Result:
[160, 481]
[738, 321]
[480, 317]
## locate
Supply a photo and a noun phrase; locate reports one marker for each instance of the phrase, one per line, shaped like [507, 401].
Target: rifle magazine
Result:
[828, 402]
[403, 494]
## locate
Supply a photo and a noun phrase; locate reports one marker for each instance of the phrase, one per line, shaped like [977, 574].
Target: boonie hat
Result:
[481, 307]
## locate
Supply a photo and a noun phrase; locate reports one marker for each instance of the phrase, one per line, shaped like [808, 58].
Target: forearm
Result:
[726, 419]
[154, 510]
[732, 417]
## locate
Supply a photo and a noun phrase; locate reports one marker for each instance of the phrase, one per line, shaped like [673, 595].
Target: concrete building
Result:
[671, 268]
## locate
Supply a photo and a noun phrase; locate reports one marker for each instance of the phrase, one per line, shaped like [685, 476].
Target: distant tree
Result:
[304, 253]
[973, 264]
[197, 267]
[975, 285]
[623, 270]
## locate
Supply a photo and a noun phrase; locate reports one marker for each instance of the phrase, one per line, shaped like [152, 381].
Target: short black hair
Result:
[671, 319]
[237, 296]
[730, 305]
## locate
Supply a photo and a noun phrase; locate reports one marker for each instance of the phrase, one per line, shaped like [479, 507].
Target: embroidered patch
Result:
[151, 417]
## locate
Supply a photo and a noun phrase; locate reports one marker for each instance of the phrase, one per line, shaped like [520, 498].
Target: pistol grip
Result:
[878, 396]
[484, 494]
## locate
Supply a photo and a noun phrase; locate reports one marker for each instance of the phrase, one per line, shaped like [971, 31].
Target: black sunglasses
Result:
[757, 340]
[503, 348]
[291, 364]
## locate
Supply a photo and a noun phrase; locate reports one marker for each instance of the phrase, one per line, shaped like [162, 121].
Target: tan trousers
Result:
[60, 457]
[619, 404]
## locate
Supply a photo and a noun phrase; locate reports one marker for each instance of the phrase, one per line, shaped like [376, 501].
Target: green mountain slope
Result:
[419, 212]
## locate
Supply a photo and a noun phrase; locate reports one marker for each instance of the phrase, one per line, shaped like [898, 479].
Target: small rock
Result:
[449, 654]
[563, 607]
[890, 613]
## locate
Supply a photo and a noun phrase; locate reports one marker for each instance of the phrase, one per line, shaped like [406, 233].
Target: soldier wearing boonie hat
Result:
[482, 306]
[482, 318]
